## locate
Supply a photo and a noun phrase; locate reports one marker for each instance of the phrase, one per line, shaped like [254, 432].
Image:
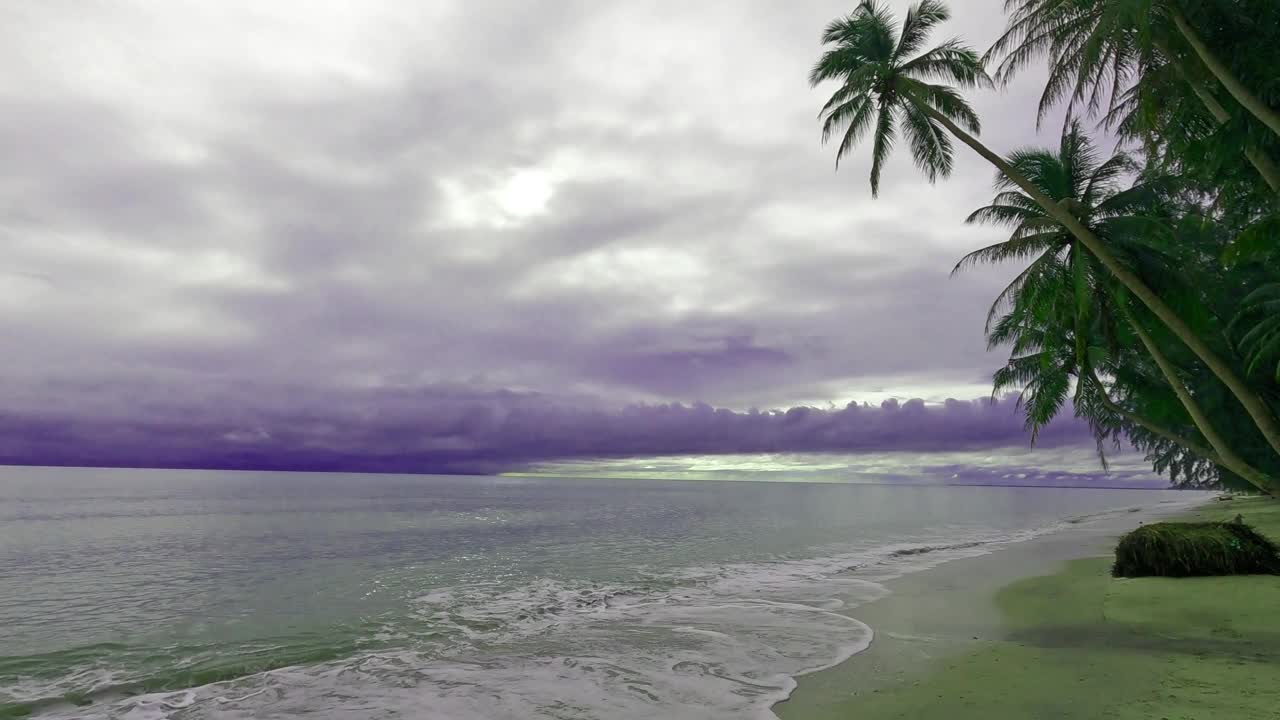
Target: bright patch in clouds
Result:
[510, 201]
[525, 193]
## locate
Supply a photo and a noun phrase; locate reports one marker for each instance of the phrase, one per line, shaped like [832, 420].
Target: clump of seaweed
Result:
[1195, 549]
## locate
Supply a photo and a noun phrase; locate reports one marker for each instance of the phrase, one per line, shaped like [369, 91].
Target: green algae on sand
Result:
[1081, 644]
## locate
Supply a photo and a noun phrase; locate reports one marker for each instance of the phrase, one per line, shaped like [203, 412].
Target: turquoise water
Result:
[164, 594]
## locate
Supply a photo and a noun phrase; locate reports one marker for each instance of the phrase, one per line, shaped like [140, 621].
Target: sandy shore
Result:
[937, 618]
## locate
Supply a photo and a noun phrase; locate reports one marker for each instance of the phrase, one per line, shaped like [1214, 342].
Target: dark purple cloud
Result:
[462, 430]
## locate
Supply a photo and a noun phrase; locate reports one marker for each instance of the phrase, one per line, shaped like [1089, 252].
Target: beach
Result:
[1039, 629]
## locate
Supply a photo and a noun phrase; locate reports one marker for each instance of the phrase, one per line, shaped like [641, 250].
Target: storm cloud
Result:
[455, 429]
[409, 235]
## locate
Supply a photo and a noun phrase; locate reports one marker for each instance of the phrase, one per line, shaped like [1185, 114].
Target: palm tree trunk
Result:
[1242, 94]
[1151, 427]
[1266, 168]
[1259, 159]
[1253, 405]
[1227, 457]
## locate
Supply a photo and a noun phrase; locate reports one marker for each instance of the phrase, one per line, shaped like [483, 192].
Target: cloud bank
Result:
[448, 430]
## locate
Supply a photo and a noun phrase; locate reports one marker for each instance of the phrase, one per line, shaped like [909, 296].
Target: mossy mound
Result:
[1195, 549]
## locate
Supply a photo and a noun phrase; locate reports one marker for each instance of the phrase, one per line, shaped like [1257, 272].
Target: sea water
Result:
[163, 594]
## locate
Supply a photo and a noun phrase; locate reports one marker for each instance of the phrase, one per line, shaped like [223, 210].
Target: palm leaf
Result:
[920, 20]
[882, 145]
[930, 146]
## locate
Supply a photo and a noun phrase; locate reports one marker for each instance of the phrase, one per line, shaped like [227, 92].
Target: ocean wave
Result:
[703, 643]
[546, 649]
[702, 657]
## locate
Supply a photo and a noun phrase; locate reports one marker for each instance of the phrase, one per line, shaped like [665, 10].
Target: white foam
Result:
[732, 660]
[551, 650]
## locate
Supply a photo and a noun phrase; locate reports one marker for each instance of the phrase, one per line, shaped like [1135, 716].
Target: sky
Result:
[459, 234]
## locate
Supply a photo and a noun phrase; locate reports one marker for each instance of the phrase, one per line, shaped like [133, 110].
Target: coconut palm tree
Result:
[1055, 345]
[1095, 48]
[1094, 45]
[1230, 82]
[1225, 454]
[1053, 348]
[1062, 312]
[1149, 109]
[884, 82]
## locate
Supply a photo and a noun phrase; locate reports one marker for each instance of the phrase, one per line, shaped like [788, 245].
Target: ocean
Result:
[143, 595]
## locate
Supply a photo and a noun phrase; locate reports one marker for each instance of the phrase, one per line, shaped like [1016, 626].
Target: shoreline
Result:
[949, 610]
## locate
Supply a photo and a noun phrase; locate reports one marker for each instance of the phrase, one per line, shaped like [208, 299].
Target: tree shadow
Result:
[1255, 647]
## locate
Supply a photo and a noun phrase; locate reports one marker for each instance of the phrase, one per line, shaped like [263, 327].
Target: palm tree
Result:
[1093, 46]
[885, 80]
[1060, 326]
[1218, 68]
[1060, 314]
[1168, 105]
[882, 84]
[1225, 454]
[1073, 177]
[1053, 347]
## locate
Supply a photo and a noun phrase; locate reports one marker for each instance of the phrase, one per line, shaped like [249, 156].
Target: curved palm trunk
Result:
[1266, 168]
[1253, 405]
[1151, 427]
[1242, 94]
[1259, 159]
[1228, 457]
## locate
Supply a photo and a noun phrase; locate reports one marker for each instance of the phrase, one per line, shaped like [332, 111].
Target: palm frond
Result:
[882, 144]
[1015, 249]
[930, 145]
[1103, 181]
[855, 117]
[1009, 215]
[920, 20]
[952, 62]
[946, 101]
